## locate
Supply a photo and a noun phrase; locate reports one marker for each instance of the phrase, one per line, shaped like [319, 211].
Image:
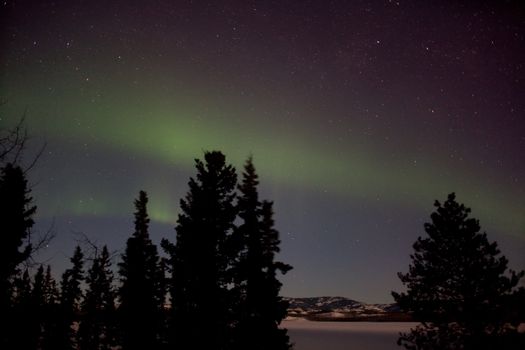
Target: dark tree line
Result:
[217, 286]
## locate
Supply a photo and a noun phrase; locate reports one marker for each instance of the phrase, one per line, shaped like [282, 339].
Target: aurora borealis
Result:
[358, 115]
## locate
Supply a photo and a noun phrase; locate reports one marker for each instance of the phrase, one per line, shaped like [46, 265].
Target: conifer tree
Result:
[38, 293]
[70, 299]
[34, 324]
[458, 286]
[97, 328]
[199, 260]
[260, 309]
[16, 214]
[72, 278]
[23, 289]
[21, 325]
[50, 288]
[141, 293]
[50, 313]
[37, 308]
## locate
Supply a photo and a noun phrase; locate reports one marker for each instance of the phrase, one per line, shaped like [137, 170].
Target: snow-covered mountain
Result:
[343, 309]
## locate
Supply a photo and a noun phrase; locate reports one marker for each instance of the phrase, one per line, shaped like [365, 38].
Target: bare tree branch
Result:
[12, 141]
[88, 244]
[13, 144]
[38, 245]
[93, 247]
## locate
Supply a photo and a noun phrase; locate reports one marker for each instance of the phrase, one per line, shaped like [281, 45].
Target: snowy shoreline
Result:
[314, 335]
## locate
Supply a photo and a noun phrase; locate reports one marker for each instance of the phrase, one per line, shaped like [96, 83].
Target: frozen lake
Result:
[307, 335]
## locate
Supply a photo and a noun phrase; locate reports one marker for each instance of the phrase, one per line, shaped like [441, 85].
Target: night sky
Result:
[358, 114]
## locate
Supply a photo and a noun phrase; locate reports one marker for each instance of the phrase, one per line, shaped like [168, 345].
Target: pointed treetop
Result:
[141, 215]
[214, 168]
[249, 175]
[77, 255]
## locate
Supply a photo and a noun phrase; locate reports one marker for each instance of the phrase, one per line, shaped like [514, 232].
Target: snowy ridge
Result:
[342, 309]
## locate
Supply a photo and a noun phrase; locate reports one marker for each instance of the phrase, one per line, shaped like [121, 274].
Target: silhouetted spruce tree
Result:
[141, 293]
[50, 288]
[199, 259]
[16, 221]
[162, 328]
[22, 289]
[97, 328]
[40, 323]
[21, 324]
[35, 323]
[458, 286]
[259, 308]
[70, 300]
[50, 313]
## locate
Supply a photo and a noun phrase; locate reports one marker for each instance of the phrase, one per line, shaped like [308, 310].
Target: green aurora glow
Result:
[170, 135]
[358, 116]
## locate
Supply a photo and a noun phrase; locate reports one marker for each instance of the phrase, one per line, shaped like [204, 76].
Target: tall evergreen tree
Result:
[72, 278]
[16, 214]
[22, 323]
[199, 260]
[38, 301]
[38, 329]
[38, 293]
[22, 289]
[259, 309]
[50, 313]
[34, 324]
[458, 286]
[70, 300]
[97, 328]
[50, 288]
[141, 293]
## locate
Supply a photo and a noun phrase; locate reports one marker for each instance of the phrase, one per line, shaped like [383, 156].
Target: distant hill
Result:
[343, 309]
